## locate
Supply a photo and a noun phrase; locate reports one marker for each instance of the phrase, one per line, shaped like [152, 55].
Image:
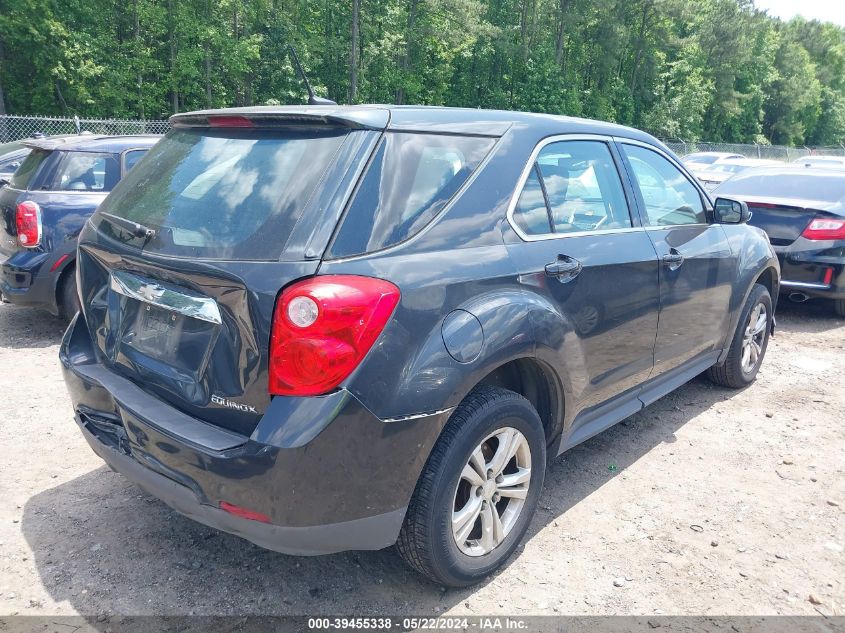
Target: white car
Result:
[720, 171]
[702, 161]
[831, 162]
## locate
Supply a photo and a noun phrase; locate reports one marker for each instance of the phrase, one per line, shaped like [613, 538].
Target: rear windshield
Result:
[222, 194]
[29, 167]
[409, 181]
[819, 186]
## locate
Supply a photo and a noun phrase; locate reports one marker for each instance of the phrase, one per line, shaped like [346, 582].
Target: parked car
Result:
[702, 161]
[720, 171]
[803, 212]
[336, 328]
[44, 207]
[11, 157]
[831, 162]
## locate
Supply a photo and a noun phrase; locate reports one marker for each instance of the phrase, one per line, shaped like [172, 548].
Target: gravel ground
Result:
[708, 502]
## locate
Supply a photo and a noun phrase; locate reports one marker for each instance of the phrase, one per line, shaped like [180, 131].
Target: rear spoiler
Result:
[273, 117]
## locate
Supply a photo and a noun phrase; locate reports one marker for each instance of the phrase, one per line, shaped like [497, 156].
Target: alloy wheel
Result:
[491, 492]
[755, 334]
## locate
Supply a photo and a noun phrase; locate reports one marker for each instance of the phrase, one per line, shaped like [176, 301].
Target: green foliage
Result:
[718, 70]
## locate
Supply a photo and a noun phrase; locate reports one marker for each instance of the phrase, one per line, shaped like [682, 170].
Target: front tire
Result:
[749, 343]
[478, 491]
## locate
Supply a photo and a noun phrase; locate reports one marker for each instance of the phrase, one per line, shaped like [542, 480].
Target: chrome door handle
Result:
[673, 259]
[564, 268]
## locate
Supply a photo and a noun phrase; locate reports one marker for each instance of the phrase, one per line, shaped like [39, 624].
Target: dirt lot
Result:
[708, 502]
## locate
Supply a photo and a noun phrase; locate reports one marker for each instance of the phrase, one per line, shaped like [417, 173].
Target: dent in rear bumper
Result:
[368, 533]
[344, 479]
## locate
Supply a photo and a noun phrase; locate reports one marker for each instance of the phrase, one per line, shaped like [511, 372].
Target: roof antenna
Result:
[312, 98]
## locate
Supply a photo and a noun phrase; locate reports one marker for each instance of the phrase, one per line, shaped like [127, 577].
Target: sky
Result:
[825, 10]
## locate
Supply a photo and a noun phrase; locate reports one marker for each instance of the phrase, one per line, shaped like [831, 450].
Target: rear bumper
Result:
[812, 268]
[367, 533]
[26, 279]
[329, 474]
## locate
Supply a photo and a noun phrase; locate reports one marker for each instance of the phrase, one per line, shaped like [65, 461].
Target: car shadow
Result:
[22, 327]
[813, 316]
[104, 546]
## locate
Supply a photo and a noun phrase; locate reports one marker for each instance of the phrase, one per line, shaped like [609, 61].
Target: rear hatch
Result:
[181, 265]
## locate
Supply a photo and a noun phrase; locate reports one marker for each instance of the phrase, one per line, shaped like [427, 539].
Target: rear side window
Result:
[29, 167]
[573, 186]
[409, 181]
[131, 157]
[87, 171]
[222, 194]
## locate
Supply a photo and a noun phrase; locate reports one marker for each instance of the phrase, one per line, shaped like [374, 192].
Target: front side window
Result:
[572, 187]
[670, 199]
[409, 181]
[87, 171]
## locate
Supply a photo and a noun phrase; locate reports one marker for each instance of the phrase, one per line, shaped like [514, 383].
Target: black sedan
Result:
[803, 211]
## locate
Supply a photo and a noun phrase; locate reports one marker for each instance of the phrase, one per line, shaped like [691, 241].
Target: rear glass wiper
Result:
[136, 229]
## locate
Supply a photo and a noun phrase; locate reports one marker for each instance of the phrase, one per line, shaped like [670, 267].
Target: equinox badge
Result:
[230, 404]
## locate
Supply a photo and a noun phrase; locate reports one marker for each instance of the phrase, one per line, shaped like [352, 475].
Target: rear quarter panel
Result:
[755, 256]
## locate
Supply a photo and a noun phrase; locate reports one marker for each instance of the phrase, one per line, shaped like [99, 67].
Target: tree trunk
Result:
[353, 53]
[409, 48]
[560, 41]
[640, 45]
[136, 38]
[174, 85]
[207, 56]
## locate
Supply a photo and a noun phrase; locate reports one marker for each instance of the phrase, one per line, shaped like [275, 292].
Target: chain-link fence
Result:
[771, 152]
[13, 128]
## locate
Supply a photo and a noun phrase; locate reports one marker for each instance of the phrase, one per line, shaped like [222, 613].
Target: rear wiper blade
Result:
[138, 230]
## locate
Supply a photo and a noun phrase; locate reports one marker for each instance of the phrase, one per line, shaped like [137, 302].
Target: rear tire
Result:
[444, 536]
[749, 344]
[839, 307]
[68, 295]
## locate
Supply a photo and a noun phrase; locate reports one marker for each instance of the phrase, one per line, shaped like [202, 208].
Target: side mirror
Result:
[729, 211]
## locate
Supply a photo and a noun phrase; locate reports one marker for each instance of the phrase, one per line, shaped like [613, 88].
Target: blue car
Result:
[47, 201]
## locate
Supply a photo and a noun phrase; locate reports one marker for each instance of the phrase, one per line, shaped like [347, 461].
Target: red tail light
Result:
[223, 120]
[822, 228]
[322, 329]
[28, 221]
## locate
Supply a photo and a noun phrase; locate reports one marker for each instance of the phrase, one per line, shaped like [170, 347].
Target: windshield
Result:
[820, 186]
[222, 194]
[702, 159]
[14, 146]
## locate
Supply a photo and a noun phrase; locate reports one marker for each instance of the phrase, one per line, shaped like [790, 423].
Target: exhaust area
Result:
[798, 297]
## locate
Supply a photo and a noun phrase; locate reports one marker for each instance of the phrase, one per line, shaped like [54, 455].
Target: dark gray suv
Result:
[332, 328]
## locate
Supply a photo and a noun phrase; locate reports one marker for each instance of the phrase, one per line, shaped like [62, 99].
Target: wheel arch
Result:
[538, 383]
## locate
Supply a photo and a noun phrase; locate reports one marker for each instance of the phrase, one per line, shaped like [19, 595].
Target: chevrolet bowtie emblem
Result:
[151, 292]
